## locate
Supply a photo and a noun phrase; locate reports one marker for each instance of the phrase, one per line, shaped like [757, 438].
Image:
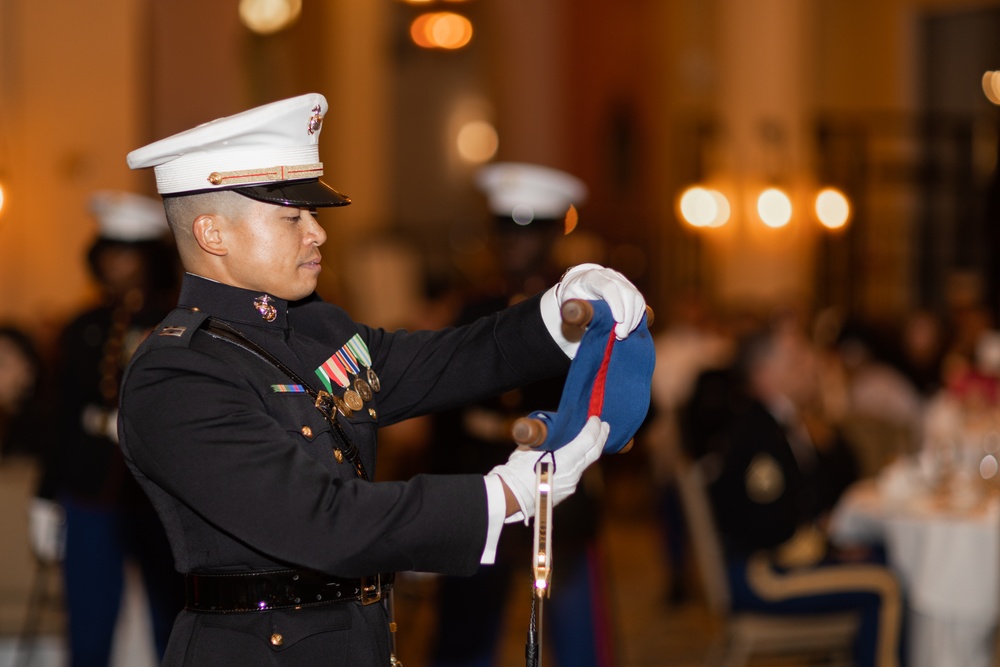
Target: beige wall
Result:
[67, 118]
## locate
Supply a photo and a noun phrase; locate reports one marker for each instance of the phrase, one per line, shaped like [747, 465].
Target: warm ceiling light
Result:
[774, 208]
[701, 207]
[477, 141]
[265, 17]
[441, 30]
[991, 86]
[832, 208]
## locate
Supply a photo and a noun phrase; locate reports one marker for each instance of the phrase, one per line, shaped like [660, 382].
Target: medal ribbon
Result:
[360, 351]
[346, 360]
[331, 369]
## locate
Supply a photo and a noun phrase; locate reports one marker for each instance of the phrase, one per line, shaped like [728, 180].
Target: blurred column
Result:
[356, 146]
[764, 59]
[68, 88]
[529, 41]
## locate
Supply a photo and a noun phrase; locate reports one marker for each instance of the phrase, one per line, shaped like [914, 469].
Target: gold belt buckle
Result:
[371, 589]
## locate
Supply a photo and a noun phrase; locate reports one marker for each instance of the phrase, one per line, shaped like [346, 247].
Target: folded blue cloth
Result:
[608, 377]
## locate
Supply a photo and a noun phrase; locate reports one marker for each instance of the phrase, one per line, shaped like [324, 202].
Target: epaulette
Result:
[177, 328]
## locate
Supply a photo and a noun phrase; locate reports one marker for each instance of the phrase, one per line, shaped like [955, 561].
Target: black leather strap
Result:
[222, 593]
[219, 329]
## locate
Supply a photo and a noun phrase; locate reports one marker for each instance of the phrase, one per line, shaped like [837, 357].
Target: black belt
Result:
[278, 589]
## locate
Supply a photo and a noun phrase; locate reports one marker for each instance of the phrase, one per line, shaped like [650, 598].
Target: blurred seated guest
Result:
[923, 349]
[20, 371]
[875, 386]
[960, 421]
[881, 409]
[108, 519]
[780, 471]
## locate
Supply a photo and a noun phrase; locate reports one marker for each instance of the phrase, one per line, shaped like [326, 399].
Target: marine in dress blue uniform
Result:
[108, 520]
[286, 544]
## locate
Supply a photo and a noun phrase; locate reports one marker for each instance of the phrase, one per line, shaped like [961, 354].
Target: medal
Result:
[363, 389]
[373, 380]
[353, 400]
[359, 351]
[342, 407]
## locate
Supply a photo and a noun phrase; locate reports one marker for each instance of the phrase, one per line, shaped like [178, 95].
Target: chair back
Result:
[705, 540]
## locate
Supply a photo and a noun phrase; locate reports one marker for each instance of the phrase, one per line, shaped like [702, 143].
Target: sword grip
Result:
[529, 432]
[579, 312]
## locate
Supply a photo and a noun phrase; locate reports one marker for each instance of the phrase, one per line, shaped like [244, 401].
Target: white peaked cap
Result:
[123, 216]
[263, 153]
[540, 192]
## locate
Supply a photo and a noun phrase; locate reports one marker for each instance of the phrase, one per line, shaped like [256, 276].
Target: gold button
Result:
[277, 639]
[215, 178]
[339, 455]
[306, 431]
[372, 412]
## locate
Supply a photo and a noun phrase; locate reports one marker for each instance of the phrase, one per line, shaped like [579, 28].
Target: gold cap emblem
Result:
[315, 120]
[265, 308]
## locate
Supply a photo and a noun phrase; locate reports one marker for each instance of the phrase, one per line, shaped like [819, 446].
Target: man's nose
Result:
[316, 234]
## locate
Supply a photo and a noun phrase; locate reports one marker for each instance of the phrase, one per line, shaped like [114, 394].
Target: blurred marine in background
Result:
[532, 207]
[108, 519]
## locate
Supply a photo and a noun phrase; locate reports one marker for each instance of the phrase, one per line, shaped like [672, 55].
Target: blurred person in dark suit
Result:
[108, 519]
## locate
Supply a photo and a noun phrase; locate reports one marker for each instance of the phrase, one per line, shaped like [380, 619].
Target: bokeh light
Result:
[1, 199]
[701, 207]
[441, 30]
[477, 141]
[774, 208]
[832, 208]
[988, 466]
[991, 86]
[265, 17]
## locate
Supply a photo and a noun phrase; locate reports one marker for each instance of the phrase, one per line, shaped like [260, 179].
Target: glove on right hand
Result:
[570, 462]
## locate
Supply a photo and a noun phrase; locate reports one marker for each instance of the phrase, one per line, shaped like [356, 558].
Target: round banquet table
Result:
[947, 557]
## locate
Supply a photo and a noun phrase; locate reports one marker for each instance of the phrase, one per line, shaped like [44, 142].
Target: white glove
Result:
[570, 462]
[593, 281]
[47, 530]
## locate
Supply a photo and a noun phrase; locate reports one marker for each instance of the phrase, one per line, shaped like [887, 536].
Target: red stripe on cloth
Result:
[597, 393]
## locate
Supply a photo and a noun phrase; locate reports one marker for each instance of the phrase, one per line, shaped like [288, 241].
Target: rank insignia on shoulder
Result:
[765, 482]
[172, 331]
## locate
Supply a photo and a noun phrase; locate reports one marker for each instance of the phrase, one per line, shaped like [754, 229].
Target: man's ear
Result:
[207, 233]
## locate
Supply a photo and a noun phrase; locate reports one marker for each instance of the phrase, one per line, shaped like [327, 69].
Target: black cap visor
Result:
[309, 193]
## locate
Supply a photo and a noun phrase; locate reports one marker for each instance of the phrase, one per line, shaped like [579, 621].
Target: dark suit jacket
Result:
[243, 476]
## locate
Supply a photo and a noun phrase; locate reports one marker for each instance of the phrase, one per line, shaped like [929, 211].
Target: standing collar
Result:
[233, 304]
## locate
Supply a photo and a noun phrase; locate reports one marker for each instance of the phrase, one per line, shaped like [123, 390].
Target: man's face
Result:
[275, 249]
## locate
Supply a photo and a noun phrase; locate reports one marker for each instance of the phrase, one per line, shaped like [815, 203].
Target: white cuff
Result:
[496, 509]
[552, 317]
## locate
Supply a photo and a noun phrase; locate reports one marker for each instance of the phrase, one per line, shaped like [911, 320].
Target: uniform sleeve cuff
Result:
[552, 317]
[496, 507]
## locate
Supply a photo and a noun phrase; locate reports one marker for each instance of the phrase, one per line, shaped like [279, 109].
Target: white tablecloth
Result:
[948, 562]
